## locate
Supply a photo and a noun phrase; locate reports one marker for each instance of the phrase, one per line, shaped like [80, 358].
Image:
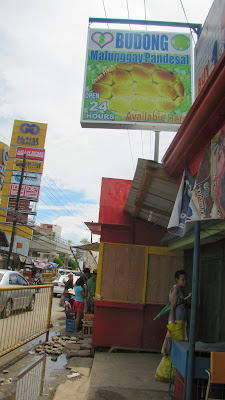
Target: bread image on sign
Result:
[139, 87]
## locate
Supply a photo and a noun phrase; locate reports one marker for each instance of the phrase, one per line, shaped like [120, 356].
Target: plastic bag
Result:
[177, 330]
[165, 371]
[167, 345]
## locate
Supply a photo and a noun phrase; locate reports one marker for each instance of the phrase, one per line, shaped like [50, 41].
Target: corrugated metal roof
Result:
[152, 193]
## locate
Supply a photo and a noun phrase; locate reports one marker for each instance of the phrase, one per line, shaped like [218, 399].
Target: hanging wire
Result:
[105, 12]
[128, 12]
[142, 145]
[150, 143]
[187, 21]
[130, 149]
[145, 15]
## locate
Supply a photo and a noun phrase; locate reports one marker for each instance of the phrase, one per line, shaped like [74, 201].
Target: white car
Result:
[59, 283]
[11, 300]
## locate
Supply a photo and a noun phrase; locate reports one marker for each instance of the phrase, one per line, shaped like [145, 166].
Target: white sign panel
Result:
[31, 192]
[31, 153]
[136, 80]
[29, 178]
[210, 45]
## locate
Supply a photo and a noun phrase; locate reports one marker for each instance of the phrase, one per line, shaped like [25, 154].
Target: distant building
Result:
[52, 229]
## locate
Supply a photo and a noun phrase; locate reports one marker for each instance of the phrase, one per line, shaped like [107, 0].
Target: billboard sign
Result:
[31, 192]
[29, 178]
[31, 153]
[31, 165]
[137, 80]
[28, 134]
[210, 45]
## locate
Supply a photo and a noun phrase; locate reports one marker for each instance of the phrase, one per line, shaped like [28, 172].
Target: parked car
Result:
[62, 271]
[11, 300]
[59, 283]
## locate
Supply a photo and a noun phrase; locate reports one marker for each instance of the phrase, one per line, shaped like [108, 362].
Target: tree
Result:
[72, 264]
[58, 261]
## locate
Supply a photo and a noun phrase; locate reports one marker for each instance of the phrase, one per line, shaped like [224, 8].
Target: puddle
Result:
[33, 377]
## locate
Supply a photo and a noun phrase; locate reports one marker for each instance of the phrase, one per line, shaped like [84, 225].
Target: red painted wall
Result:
[137, 232]
[121, 227]
[114, 194]
[128, 325]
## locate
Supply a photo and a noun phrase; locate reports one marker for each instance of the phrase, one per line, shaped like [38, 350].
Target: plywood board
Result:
[123, 272]
[160, 279]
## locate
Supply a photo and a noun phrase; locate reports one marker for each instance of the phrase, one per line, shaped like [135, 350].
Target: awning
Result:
[88, 247]
[152, 193]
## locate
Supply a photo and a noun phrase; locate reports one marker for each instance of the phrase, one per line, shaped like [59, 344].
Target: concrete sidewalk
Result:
[123, 376]
[114, 376]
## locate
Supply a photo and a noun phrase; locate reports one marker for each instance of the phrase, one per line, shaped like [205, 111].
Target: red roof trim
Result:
[204, 120]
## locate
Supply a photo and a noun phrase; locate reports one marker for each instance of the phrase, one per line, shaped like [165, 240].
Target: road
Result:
[58, 318]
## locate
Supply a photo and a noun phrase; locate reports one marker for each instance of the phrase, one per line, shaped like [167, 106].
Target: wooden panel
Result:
[160, 279]
[136, 274]
[123, 273]
[108, 272]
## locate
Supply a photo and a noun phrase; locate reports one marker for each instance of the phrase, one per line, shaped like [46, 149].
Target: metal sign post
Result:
[16, 211]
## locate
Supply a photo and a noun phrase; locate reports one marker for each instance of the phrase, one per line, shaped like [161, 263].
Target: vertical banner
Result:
[137, 80]
[184, 210]
[209, 191]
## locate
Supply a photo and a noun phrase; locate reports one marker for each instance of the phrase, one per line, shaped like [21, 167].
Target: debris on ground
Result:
[73, 375]
[72, 346]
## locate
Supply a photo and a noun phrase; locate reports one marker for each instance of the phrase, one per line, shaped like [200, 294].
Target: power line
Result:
[128, 12]
[130, 148]
[187, 20]
[64, 193]
[105, 12]
[142, 145]
[145, 14]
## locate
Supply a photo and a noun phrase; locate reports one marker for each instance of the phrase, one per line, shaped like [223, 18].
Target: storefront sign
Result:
[137, 80]
[29, 134]
[31, 153]
[210, 45]
[32, 166]
[29, 178]
[31, 192]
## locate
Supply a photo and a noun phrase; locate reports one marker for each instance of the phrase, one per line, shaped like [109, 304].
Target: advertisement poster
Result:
[209, 190]
[210, 45]
[31, 192]
[31, 165]
[137, 80]
[29, 134]
[31, 153]
[29, 178]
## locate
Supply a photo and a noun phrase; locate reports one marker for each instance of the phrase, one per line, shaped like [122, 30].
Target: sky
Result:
[43, 50]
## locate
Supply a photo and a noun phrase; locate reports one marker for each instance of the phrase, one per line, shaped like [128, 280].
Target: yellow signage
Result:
[30, 134]
[31, 165]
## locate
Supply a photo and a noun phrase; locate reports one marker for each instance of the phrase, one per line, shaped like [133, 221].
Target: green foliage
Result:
[72, 264]
[58, 261]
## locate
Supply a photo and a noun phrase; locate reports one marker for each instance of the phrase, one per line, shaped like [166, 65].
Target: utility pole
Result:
[16, 211]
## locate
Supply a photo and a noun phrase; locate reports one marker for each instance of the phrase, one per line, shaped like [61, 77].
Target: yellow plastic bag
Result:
[165, 370]
[177, 330]
[167, 344]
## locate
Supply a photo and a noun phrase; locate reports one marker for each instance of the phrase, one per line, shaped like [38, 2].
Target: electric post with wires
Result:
[15, 217]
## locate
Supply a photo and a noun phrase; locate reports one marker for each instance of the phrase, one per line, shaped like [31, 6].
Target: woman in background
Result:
[80, 294]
